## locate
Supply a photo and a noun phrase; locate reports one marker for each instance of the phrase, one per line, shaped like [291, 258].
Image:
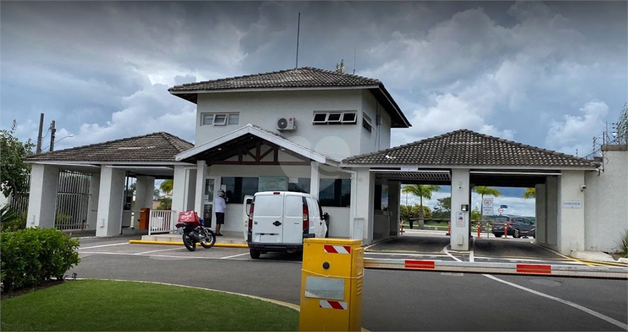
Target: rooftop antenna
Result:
[298, 30]
[354, 60]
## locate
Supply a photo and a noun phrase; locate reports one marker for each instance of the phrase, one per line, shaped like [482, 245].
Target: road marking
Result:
[561, 255]
[105, 245]
[160, 250]
[569, 303]
[246, 253]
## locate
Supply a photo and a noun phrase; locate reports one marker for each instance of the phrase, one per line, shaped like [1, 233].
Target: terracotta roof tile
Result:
[468, 148]
[155, 147]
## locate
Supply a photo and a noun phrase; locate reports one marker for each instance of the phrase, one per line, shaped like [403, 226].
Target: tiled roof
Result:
[297, 78]
[304, 77]
[155, 147]
[468, 148]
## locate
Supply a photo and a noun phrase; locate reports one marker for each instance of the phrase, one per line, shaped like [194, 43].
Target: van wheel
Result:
[255, 253]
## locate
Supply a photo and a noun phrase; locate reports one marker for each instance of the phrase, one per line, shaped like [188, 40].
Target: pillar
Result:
[314, 179]
[201, 173]
[144, 190]
[541, 214]
[92, 205]
[110, 201]
[460, 195]
[362, 199]
[42, 202]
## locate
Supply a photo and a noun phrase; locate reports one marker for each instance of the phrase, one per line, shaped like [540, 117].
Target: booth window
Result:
[335, 192]
[302, 185]
[238, 187]
[381, 197]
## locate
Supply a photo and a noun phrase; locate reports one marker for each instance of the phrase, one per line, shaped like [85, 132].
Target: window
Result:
[334, 117]
[302, 185]
[349, 117]
[335, 192]
[367, 122]
[219, 119]
[381, 197]
[238, 187]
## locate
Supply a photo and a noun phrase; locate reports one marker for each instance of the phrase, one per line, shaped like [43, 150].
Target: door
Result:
[268, 218]
[293, 219]
[209, 192]
[248, 199]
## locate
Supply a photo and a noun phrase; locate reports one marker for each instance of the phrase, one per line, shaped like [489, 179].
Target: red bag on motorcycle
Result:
[189, 217]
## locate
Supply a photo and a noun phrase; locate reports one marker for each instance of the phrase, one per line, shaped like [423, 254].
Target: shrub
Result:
[623, 244]
[33, 255]
[11, 220]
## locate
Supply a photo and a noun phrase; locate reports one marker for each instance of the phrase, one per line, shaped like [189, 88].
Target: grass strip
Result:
[106, 305]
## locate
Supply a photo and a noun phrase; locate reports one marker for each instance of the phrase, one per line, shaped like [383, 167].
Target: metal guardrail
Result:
[161, 221]
[498, 268]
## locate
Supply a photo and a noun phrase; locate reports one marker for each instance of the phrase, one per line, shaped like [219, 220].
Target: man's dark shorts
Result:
[220, 218]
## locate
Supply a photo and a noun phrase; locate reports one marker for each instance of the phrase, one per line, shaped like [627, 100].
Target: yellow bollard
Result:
[331, 285]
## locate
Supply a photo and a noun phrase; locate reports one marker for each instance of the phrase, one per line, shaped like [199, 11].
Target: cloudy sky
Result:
[548, 74]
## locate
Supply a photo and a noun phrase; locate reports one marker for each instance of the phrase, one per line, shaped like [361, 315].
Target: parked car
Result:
[517, 226]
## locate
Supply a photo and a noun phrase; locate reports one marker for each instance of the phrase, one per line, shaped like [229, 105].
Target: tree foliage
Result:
[442, 210]
[529, 193]
[14, 171]
[486, 191]
[166, 186]
[421, 191]
[407, 211]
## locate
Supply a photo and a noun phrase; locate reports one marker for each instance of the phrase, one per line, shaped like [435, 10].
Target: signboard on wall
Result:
[572, 205]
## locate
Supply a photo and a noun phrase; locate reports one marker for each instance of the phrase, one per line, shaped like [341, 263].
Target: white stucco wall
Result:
[109, 218]
[43, 196]
[570, 232]
[606, 201]
[379, 137]
[92, 205]
[540, 213]
[265, 108]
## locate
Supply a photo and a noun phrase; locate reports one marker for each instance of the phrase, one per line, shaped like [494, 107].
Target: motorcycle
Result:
[194, 231]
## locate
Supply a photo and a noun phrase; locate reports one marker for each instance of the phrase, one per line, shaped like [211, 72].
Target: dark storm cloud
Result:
[102, 69]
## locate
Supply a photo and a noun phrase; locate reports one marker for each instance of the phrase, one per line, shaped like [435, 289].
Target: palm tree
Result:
[421, 191]
[486, 191]
[167, 186]
[529, 193]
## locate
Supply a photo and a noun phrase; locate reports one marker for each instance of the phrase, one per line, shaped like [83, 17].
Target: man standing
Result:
[219, 206]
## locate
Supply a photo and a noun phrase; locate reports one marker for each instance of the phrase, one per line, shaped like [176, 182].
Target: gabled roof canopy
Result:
[466, 148]
[296, 79]
[247, 138]
[160, 147]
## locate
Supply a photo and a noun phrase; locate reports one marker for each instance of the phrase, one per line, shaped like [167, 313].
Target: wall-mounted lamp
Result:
[583, 187]
[464, 207]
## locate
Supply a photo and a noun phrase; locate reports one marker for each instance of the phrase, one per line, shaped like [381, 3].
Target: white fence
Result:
[162, 221]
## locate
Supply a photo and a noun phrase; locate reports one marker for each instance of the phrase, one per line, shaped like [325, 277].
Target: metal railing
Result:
[161, 221]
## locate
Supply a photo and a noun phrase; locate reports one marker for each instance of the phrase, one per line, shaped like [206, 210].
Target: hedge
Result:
[33, 255]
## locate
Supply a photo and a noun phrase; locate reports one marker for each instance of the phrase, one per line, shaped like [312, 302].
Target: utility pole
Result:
[39, 138]
[52, 136]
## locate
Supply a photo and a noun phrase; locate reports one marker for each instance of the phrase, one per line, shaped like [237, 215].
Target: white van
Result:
[280, 220]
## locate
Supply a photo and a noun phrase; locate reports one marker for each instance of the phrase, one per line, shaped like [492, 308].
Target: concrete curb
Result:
[224, 245]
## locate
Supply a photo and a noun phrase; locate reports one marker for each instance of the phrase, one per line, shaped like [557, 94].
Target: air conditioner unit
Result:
[286, 124]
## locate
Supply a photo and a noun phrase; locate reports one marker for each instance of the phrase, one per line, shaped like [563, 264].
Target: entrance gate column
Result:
[460, 195]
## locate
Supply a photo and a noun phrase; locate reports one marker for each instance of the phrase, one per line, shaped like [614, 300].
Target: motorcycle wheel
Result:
[189, 242]
[208, 239]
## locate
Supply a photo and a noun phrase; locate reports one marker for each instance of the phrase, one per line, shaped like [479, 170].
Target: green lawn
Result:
[105, 305]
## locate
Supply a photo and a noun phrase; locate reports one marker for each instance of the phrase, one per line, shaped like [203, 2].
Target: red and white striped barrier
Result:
[328, 304]
[330, 249]
[498, 268]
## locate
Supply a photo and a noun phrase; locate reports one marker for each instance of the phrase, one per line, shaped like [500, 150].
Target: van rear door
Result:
[268, 218]
[293, 219]
[248, 199]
